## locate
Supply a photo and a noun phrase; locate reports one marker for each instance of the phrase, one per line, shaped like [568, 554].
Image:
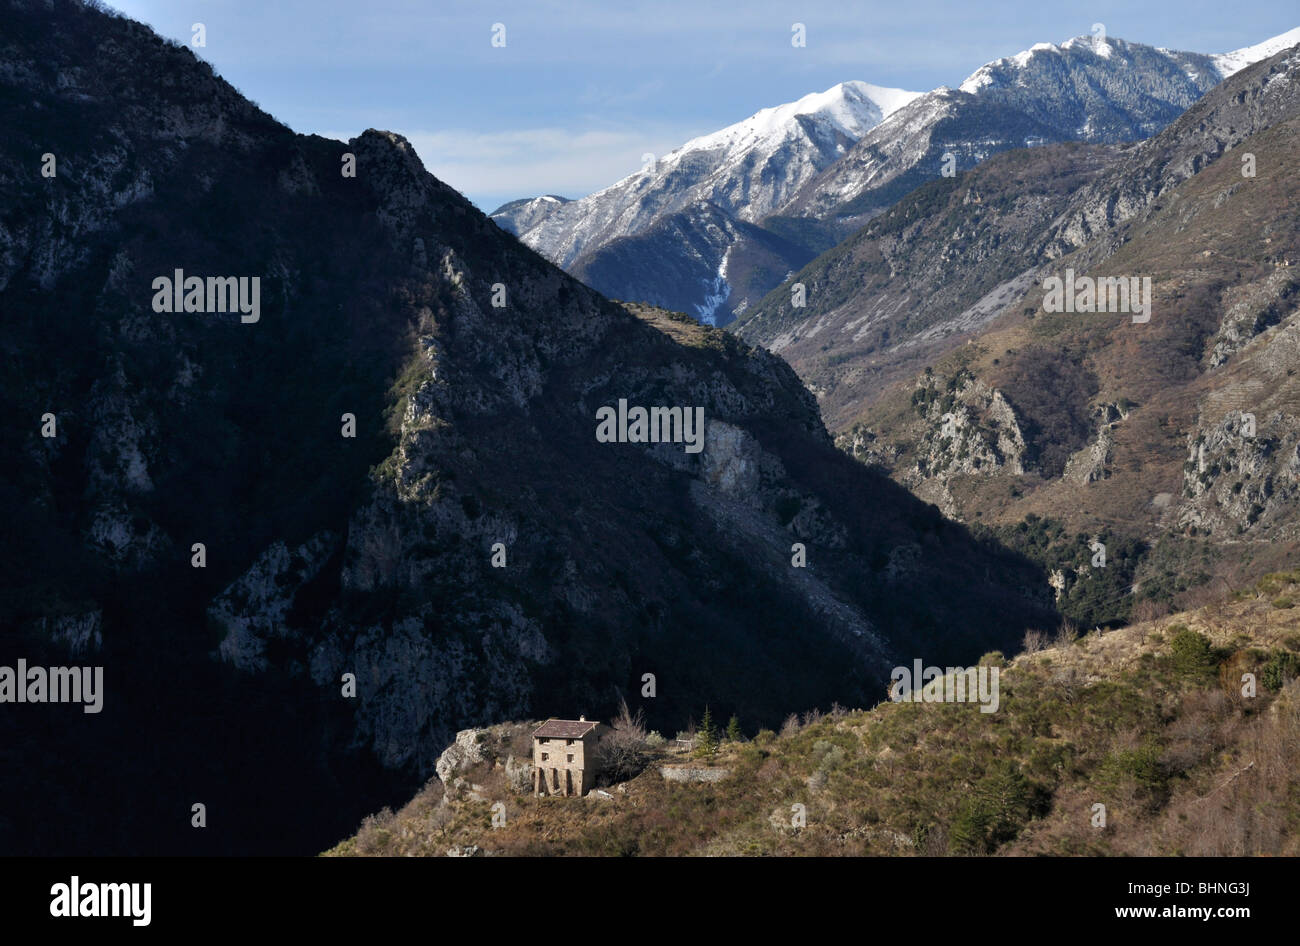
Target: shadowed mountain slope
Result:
[473, 553]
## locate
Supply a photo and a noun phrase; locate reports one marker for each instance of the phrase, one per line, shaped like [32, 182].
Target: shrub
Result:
[1270, 584]
[624, 752]
[1281, 666]
[376, 832]
[999, 805]
[1141, 769]
[827, 755]
[1193, 656]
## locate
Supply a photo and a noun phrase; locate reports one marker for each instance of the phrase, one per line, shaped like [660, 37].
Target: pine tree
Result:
[706, 739]
[733, 730]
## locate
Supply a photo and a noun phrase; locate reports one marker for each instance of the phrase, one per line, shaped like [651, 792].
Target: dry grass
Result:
[1184, 764]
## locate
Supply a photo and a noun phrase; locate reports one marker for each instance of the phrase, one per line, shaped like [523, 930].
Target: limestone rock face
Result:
[970, 429]
[1239, 482]
[1092, 463]
[730, 459]
[1252, 308]
[477, 755]
[255, 607]
[467, 750]
[519, 774]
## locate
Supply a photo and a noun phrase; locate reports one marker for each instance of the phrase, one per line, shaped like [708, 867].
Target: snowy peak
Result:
[836, 155]
[520, 215]
[797, 138]
[747, 170]
[851, 108]
[992, 72]
[1096, 88]
[1009, 69]
[1238, 59]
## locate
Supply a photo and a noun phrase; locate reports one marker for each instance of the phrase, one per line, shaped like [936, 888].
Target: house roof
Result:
[564, 729]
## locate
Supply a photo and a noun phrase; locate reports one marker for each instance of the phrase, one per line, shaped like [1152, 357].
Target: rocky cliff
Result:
[322, 534]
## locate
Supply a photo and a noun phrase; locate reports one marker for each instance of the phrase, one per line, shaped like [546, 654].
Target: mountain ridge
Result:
[730, 168]
[845, 171]
[393, 475]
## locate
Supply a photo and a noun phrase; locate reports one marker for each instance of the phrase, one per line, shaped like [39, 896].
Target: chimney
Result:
[582, 719]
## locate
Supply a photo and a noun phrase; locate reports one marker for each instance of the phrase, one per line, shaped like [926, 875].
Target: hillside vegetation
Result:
[1154, 721]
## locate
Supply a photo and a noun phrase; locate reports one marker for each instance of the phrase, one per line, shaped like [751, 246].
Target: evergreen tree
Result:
[733, 730]
[706, 739]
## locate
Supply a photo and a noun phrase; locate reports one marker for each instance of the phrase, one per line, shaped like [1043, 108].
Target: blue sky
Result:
[581, 90]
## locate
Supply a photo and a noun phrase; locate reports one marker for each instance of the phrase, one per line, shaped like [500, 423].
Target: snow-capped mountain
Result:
[525, 213]
[890, 162]
[1238, 59]
[1085, 89]
[810, 172]
[747, 169]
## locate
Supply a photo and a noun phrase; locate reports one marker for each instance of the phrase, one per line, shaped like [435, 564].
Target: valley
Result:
[945, 444]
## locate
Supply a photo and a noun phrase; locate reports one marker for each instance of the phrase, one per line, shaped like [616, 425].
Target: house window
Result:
[570, 758]
[545, 756]
[568, 742]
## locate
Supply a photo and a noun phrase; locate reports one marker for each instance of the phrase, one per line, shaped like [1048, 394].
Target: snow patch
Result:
[852, 108]
[1238, 59]
[716, 293]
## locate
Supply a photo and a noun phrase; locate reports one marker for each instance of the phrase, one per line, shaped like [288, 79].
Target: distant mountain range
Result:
[748, 170]
[926, 339]
[811, 172]
[675, 233]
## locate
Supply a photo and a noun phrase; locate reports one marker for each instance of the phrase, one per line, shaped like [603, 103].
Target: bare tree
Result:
[1067, 634]
[624, 752]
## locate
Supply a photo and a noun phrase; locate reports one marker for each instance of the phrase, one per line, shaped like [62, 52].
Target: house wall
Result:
[551, 770]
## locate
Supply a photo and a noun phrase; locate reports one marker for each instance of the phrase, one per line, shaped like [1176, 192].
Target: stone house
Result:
[565, 756]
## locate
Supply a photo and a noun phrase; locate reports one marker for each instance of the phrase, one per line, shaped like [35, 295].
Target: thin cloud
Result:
[526, 162]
